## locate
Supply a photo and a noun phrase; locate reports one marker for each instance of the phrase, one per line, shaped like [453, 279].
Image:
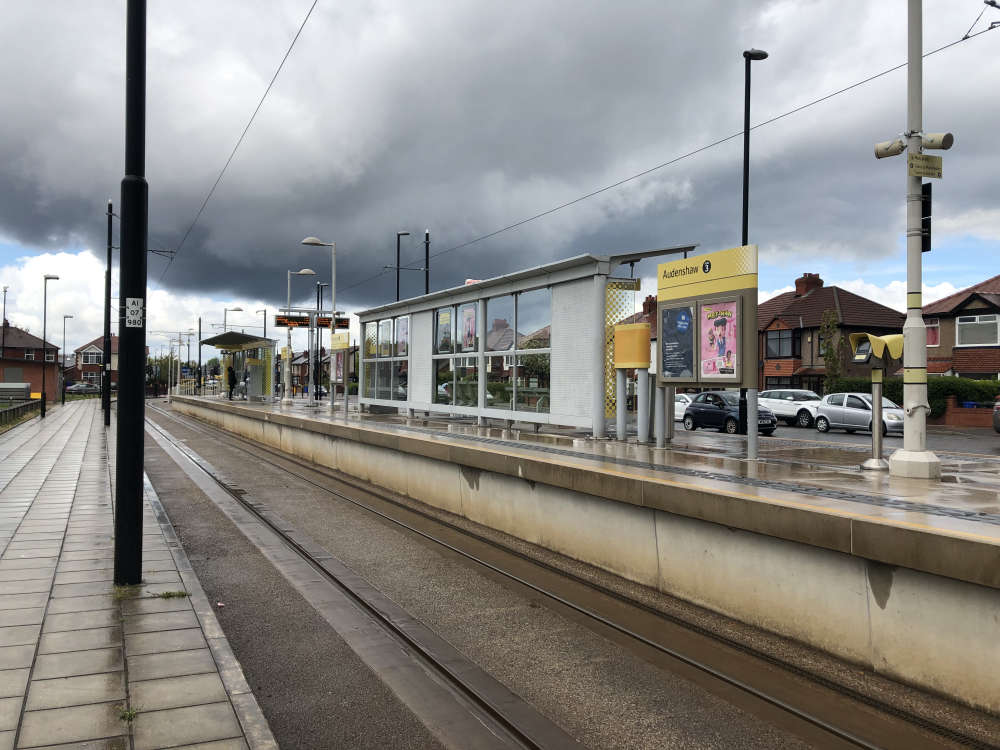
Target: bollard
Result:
[670, 416]
[752, 430]
[642, 401]
[621, 405]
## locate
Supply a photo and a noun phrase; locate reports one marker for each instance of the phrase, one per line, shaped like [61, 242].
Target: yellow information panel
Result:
[924, 165]
[707, 319]
[714, 273]
[339, 341]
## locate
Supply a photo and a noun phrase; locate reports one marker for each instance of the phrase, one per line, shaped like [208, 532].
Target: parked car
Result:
[853, 412]
[681, 401]
[996, 415]
[721, 409]
[793, 405]
[82, 387]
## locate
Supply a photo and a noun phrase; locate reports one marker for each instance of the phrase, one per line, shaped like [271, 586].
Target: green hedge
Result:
[938, 389]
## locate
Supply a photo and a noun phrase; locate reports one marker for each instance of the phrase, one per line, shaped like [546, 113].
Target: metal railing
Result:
[11, 414]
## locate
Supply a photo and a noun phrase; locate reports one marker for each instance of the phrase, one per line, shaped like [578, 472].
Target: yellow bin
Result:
[632, 346]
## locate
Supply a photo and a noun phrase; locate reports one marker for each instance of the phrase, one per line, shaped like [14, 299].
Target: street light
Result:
[287, 397]
[315, 242]
[748, 407]
[62, 365]
[45, 311]
[224, 311]
[265, 322]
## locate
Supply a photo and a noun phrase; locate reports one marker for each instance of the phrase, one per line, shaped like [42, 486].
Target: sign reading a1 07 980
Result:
[707, 319]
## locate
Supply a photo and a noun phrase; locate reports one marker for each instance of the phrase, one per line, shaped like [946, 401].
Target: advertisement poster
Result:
[720, 339]
[385, 338]
[677, 342]
[469, 328]
[444, 331]
[402, 336]
[339, 374]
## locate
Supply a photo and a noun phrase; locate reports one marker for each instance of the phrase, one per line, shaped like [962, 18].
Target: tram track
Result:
[649, 631]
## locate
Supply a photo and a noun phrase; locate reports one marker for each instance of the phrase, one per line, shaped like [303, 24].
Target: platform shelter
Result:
[532, 346]
[252, 357]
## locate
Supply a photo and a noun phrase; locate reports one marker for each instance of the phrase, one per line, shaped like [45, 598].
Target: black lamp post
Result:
[45, 314]
[62, 364]
[398, 235]
[749, 55]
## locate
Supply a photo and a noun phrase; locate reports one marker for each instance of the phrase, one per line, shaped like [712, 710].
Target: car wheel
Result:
[804, 419]
[822, 424]
[689, 423]
[732, 426]
[767, 433]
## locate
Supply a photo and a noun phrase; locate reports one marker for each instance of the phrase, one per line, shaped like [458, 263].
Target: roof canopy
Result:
[232, 341]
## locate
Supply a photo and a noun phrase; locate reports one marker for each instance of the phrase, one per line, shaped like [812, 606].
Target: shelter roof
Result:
[235, 341]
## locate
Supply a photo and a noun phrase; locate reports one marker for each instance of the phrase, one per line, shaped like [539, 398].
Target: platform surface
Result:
[82, 661]
[801, 490]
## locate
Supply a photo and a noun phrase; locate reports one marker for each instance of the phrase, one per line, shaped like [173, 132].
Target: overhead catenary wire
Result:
[239, 140]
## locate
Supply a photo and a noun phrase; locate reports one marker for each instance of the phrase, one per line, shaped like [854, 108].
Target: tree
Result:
[212, 366]
[833, 348]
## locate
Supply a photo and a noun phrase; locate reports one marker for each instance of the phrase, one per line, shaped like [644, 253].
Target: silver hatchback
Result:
[853, 412]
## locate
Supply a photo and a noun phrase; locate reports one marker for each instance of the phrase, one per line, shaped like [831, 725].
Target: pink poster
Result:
[720, 339]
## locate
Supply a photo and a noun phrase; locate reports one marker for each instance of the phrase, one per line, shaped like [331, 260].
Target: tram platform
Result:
[900, 575]
[81, 660]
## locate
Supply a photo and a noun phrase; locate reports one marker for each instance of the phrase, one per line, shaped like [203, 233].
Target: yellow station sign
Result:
[339, 341]
[714, 273]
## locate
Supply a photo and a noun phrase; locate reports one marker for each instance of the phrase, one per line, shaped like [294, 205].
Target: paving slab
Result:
[85, 665]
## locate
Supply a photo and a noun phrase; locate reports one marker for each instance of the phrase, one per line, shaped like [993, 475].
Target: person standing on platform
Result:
[231, 376]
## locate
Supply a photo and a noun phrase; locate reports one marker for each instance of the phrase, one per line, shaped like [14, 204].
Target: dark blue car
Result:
[721, 409]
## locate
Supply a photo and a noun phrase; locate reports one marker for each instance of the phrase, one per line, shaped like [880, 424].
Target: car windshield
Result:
[806, 396]
[730, 398]
[887, 404]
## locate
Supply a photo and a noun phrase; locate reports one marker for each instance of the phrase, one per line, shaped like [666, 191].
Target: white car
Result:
[681, 401]
[794, 406]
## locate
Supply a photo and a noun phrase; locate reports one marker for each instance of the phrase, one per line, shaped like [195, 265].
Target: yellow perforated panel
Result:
[618, 304]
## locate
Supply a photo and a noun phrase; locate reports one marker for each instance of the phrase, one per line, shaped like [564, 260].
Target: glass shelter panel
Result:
[533, 383]
[444, 381]
[466, 381]
[500, 381]
[444, 326]
[500, 324]
[534, 319]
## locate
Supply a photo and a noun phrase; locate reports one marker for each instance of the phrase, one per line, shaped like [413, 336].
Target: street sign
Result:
[339, 341]
[923, 165]
[302, 321]
[134, 309]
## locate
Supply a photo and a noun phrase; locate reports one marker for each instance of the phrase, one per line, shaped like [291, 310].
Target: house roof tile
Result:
[989, 289]
[807, 311]
[17, 338]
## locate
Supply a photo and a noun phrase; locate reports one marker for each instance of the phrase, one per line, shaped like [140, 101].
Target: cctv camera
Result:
[942, 141]
[889, 148]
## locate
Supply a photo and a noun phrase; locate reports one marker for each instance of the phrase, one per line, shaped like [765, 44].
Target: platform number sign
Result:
[135, 308]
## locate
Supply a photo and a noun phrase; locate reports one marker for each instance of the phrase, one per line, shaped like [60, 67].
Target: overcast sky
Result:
[464, 117]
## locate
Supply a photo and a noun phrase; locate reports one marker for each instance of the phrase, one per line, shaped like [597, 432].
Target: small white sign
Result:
[135, 308]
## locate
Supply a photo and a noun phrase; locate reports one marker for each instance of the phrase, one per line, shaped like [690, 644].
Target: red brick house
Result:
[89, 361]
[791, 347]
[963, 332]
[22, 358]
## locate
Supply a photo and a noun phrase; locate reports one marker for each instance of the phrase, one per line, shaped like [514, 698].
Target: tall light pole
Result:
[286, 399]
[3, 324]
[398, 235]
[45, 312]
[224, 311]
[748, 400]
[106, 363]
[314, 242]
[264, 311]
[913, 459]
[62, 368]
[319, 339]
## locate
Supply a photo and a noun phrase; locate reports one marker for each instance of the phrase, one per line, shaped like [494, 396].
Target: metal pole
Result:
[876, 462]
[333, 327]
[659, 424]
[621, 404]
[319, 340]
[642, 400]
[132, 336]
[106, 364]
[670, 416]
[914, 460]
[200, 374]
[398, 235]
[286, 360]
[597, 409]
[45, 311]
[3, 325]
[62, 355]
[427, 261]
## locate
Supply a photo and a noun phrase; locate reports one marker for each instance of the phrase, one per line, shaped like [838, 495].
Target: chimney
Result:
[649, 305]
[806, 283]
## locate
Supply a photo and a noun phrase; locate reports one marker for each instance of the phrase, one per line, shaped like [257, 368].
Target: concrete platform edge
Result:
[252, 720]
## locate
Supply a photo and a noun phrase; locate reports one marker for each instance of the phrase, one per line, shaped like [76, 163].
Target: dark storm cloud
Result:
[463, 117]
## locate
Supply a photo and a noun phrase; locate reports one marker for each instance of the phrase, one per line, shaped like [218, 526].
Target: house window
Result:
[94, 378]
[93, 358]
[933, 331]
[784, 343]
[977, 330]
[29, 354]
[50, 355]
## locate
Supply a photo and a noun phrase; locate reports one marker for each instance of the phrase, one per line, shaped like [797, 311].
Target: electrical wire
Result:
[239, 141]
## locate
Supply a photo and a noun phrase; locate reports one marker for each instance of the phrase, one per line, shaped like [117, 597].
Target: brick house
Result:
[963, 332]
[89, 360]
[791, 347]
[22, 358]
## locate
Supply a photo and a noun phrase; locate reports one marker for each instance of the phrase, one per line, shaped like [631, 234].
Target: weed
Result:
[124, 592]
[128, 714]
[172, 594]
